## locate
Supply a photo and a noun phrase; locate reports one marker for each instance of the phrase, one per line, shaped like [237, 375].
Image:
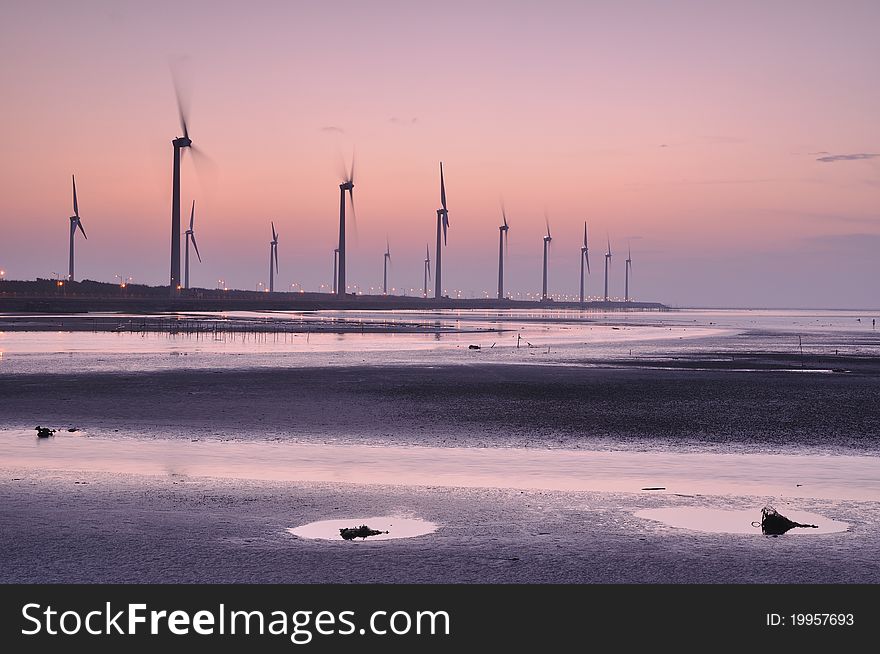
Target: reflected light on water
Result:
[723, 521]
[396, 526]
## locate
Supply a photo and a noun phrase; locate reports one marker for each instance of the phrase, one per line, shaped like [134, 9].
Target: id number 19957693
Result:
[810, 620]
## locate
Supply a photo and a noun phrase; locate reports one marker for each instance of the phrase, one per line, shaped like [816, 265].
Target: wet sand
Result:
[466, 405]
[116, 528]
[93, 526]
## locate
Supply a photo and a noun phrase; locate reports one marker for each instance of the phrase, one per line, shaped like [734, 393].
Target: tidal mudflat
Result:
[565, 447]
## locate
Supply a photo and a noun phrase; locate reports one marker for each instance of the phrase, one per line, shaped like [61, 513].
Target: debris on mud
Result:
[774, 523]
[350, 533]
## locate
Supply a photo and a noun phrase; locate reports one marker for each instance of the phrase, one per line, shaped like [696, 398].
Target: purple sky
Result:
[735, 147]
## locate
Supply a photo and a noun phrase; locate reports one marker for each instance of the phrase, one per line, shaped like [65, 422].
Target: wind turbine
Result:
[547, 240]
[335, 267]
[607, 263]
[385, 261]
[273, 257]
[190, 236]
[442, 222]
[346, 185]
[585, 258]
[629, 263]
[75, 223]
[427, 269]
[502, 246]
[179, 144]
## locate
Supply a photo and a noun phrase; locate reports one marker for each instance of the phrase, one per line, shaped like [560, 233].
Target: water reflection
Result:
[388, 528]
[740, 521]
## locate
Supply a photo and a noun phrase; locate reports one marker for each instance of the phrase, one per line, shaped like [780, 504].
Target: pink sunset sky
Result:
[734, 146]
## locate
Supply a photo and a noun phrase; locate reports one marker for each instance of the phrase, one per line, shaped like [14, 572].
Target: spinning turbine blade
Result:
[353, 212]
[181, 108]
[586, 248]
[205, 166]
[193, 237]
[75, 205]
[192, 216]
[442, 188]
[275, 250]
[274, 235]
[80, 225]
[428, 260]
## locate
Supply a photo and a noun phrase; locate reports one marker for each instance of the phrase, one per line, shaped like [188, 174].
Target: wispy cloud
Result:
[767, 180]
[858, 244]
[332, 129]
[403, 121]
[705, 140]
[847, 157]
[830, 217]
[732, 140]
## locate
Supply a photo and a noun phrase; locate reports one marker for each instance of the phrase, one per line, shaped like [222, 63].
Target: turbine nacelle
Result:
[182, 142]
[443, 215]
[76, 222]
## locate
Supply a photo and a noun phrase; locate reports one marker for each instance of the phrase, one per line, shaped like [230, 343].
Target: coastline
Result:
[681, 400]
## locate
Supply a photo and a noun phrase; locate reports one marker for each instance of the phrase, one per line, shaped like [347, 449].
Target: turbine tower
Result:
[629, 263]
[335, 267]
[427, 270]
[547, 240]
[273, 258]
[75, 223]
[179, 143]
[385, 261]
[502, 246]
[585, 258]
[190, 236]
[607, 263]
[346, 185]
[442, 224]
